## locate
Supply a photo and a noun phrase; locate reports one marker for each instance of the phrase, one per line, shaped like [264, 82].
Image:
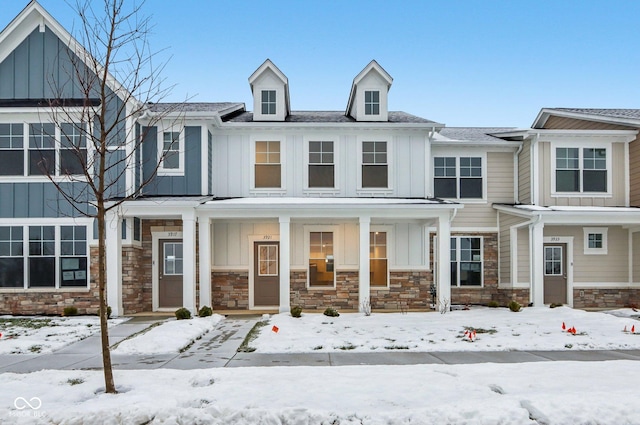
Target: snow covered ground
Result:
[39, 335]
[550, 392]
[496, 330]
[171, 336]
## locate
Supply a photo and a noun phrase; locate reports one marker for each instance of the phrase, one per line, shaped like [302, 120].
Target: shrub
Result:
[183, 313]
[296, 311]
[493, 304]
[108, 312]
[514, 306]
[205, 311]
[70, 311]
[554, 305]
[331, 312]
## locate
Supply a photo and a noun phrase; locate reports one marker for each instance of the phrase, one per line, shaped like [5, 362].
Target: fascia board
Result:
[341, 126]
[544, 114]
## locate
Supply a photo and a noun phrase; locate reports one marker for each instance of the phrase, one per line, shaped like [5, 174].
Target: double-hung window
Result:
[375, 168]
[378, 263]
[581, 169]
[42, 149]
[466, 261]
[458, 177]
[268, 102]
[11, 257]
[321, 260]
[268, 166]
[171, 153]
[11, 149]
[321, 165]
[372, 102]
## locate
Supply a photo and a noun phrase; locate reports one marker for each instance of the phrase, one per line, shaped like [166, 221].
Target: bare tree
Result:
[111, 79]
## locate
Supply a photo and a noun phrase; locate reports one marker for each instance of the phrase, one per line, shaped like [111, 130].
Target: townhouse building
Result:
[273, 207]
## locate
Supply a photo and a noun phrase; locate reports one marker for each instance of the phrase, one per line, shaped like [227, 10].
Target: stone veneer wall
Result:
[605, 298]
[343, 296]
[230, 290]
[506, 295]
[407, 290]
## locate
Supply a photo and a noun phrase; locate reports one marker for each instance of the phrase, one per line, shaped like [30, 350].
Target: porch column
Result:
[285, 266]
[189, 261]
[204, 247]
[364, 283]
[113, 235]
[443, 268]
[536, 254]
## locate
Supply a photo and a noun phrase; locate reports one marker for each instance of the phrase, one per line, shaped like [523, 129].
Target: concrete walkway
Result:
[218, 348]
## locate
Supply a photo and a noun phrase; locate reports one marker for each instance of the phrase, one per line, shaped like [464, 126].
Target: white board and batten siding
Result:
[233, 162]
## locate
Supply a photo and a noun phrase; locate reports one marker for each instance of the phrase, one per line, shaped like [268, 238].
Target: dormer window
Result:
[372, 102]
[268, 102]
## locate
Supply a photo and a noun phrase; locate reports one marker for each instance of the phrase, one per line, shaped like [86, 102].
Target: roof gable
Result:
[372, 67]
[269, 77]
[579, 118]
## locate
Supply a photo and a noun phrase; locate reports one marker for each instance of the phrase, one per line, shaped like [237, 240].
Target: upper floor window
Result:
[42, 149]
[73, 148]
[268, 102]
[375, 168]
[11, 150]
[466, 261]
[581, 169]
[457, 177]
[171, 153]
[268, 166]
[321, 260]
[372, 102]
[321, 165]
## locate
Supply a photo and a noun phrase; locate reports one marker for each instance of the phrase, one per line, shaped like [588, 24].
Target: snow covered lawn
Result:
[36, 335]
[170, 336]
[496, 330]
[550, 392]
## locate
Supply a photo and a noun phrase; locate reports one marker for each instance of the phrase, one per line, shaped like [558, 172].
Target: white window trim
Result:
[458, 237]
[390, 166]
[457, 155]
[161, 171]
[581, 146]
[56, 223]
[336, 164]
[595, 230]
[364, 102]
[275, 91]
[337, 252]
[283, 165]
[26, 119]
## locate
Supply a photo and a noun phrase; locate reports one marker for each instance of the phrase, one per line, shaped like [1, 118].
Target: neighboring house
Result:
[274, 208]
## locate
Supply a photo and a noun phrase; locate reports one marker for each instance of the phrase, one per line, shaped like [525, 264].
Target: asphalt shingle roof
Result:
[480, 134]
[333, 117]
[193, 106]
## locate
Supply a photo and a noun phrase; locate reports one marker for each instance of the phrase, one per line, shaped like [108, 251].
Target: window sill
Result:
[581, 195]
[268, 191]
[76, 178]
[321, 288]
[595, 252]
[374, 191]
[43, 290]
[468, 287]
[167, 173]
[318, 191]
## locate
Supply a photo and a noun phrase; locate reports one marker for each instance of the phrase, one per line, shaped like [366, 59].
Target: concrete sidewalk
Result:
[218, 348]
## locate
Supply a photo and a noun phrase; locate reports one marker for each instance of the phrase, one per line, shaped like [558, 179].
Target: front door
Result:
[170, 273]
[266, 274]
[555, 273]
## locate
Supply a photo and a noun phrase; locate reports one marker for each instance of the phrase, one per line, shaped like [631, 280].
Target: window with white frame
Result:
[321, 164]
[321, 260]
[595, 240]
[267, 166]
[581, 169]
[42, 149]
[11, 257]
[171, 160]
[375, 168]
[268, 102]
[466, 261]
[372, 102]
[458, 177]
[73, 148]
[378, 262]
[11, 149]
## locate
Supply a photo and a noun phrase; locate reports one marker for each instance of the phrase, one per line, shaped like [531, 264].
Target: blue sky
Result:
[463, 63]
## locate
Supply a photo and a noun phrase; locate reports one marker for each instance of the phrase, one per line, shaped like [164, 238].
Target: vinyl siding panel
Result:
[524, 174]
[636, 257]
[617, 181]
[562, 123]
[612, 267]
[499, 190]
[634, 173]
[39, 200]
[524, 275]
[506, 222]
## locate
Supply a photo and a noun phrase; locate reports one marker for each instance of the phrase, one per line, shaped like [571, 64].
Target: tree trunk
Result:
[110, 386]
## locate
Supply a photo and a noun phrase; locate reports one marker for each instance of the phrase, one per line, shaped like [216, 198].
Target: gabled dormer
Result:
[270, 89]
[369, 94]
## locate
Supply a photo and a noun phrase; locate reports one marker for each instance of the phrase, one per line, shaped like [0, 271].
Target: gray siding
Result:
[190, 183]
[23, 200]
[210, 163]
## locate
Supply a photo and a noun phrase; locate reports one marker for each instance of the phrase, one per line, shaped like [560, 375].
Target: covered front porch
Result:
[269, 254]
